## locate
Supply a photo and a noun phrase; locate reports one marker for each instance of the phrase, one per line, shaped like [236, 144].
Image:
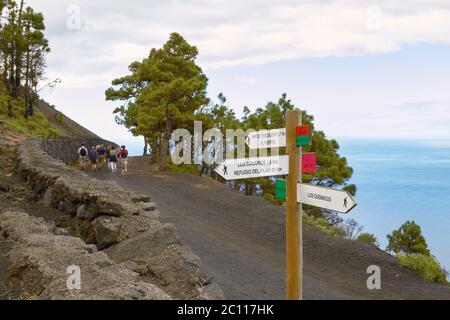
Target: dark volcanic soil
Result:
[241, 243]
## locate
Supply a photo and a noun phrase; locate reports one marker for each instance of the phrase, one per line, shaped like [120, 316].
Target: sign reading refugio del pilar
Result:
[253, 168]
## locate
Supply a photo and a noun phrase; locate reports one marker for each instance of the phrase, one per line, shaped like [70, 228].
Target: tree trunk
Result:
[164, 152]
[12, 82]
[165, 144]
[10, 108]
[249, 189]
[145, 147]
[27, 77]
[18, 55]
[29, 108]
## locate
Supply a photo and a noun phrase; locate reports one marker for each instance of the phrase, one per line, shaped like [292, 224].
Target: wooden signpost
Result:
[294, 225]
[294, 137]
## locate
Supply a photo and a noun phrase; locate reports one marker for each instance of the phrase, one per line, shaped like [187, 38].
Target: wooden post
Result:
[294, 242]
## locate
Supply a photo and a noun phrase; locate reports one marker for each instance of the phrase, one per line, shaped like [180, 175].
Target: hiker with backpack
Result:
[123, 155]
[93, 156]
[112, 157]
[101, 156]
[83, 156]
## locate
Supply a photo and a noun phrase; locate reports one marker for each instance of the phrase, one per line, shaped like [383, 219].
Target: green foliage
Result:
[412, 251]
[170, 167]
[167, 91]
[36, 125]
[425, 265]
[59, 118]
[408, 240]
[368, 238]
[23, 48]
[162, 93]
[324, 226]
[333, 170]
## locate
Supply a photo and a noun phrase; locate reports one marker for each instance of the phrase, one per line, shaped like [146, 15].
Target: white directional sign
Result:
[267, 139]
[236, 169]
[330, 199]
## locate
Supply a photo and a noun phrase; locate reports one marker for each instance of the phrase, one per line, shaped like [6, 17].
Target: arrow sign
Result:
[236, 169]
[330, 199]
[267, 139]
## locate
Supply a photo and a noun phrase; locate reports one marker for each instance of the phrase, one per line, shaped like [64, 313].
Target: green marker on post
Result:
[303, 141]
[280, 187]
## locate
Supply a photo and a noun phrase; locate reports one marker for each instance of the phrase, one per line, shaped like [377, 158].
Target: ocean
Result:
[397, 181]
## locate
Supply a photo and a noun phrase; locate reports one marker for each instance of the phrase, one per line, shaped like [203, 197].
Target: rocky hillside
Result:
[59, 135]
[66, 127]
[47, 122]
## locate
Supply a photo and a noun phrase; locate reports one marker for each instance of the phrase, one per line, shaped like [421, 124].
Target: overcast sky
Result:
[378, 69]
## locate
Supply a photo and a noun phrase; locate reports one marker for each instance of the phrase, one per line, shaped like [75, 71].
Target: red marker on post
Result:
[309, 162]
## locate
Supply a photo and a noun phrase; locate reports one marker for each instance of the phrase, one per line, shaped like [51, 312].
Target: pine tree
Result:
[161, 94]
[408, 239]
[36, 48]
[23, 48]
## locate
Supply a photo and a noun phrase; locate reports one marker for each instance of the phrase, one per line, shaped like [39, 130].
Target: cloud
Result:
[230, 33]
[416, 120]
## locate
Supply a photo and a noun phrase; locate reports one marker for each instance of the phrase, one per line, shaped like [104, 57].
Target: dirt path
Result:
[241, 243]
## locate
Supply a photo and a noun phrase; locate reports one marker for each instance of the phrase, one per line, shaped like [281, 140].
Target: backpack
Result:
[112, 155]
[124, 153]
[83, 152]
[93, 154]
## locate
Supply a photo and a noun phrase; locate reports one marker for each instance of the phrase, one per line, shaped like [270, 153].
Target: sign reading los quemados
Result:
[330, 199]
[326, 198]
[235, 169]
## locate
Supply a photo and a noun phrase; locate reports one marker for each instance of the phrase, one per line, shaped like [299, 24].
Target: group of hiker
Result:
[100, 155]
